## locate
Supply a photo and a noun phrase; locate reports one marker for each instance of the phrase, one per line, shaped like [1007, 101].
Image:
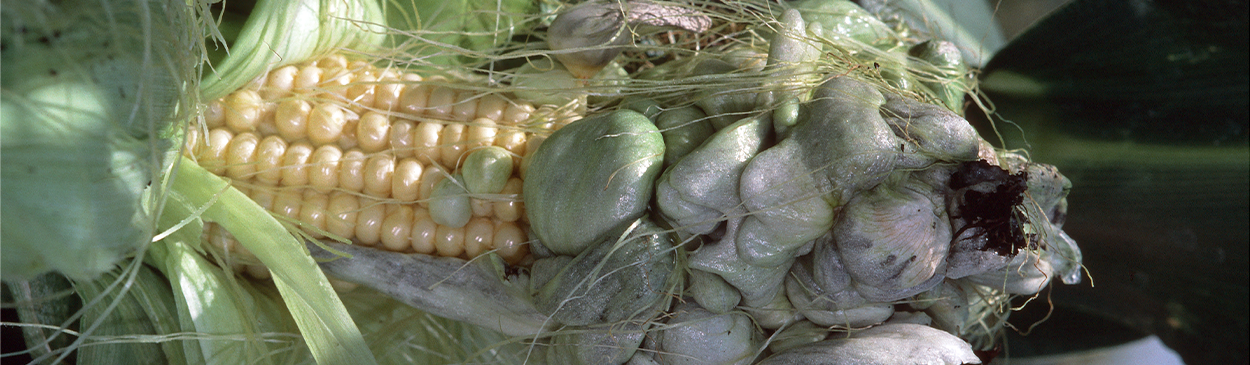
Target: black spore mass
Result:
[990, 196]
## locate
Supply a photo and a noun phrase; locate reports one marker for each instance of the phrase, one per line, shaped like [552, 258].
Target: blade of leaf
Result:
[283, 32]
[206, 305]
[147, 308]
[327, 328]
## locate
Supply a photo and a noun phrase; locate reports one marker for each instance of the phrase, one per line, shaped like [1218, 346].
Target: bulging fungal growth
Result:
[697, 336]
[893, 239]
[887, 344]
[597, 174]
[588, 36]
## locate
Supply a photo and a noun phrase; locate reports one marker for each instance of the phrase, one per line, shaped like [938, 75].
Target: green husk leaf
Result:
[147, 308]
[87, 88]
[323, 321]
[283, 32]
[208, 304]
[398, 333]
[454, 32]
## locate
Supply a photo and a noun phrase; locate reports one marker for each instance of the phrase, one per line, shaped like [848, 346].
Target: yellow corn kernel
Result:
[353, 151]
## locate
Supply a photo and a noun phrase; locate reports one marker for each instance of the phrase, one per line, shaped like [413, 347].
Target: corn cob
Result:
[356, 151]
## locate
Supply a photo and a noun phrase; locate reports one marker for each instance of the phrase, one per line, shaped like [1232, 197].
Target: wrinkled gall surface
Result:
[848, 222]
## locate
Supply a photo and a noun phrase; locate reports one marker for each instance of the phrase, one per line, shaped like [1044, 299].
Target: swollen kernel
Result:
[423, 232]
[325, 123]
[465, 108]
[449, 204]
[342, 210]
[240, 155]
[373, 132]
[243, 110]
[313, 212]
[323, 169]
[379, 170]
[448, 241]
[269, 155]
[352, 170]
[406, 183]
[441, 103]
[479, 235]
[486, 170]
[280, 83]
[291, 119]
[425, 138]
[397, 229]
[295, 164]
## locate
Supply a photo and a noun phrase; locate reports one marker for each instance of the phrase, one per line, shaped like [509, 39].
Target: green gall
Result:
[486, 170]
[450, 204]
[591, 177]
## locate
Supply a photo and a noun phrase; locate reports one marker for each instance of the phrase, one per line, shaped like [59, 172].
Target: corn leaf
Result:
[207, 305]
[454, 32]
[328, 330]
[280, 32]
[146, 308]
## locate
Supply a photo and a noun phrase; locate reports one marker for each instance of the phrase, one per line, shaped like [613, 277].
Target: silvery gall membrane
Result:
[846, 222]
